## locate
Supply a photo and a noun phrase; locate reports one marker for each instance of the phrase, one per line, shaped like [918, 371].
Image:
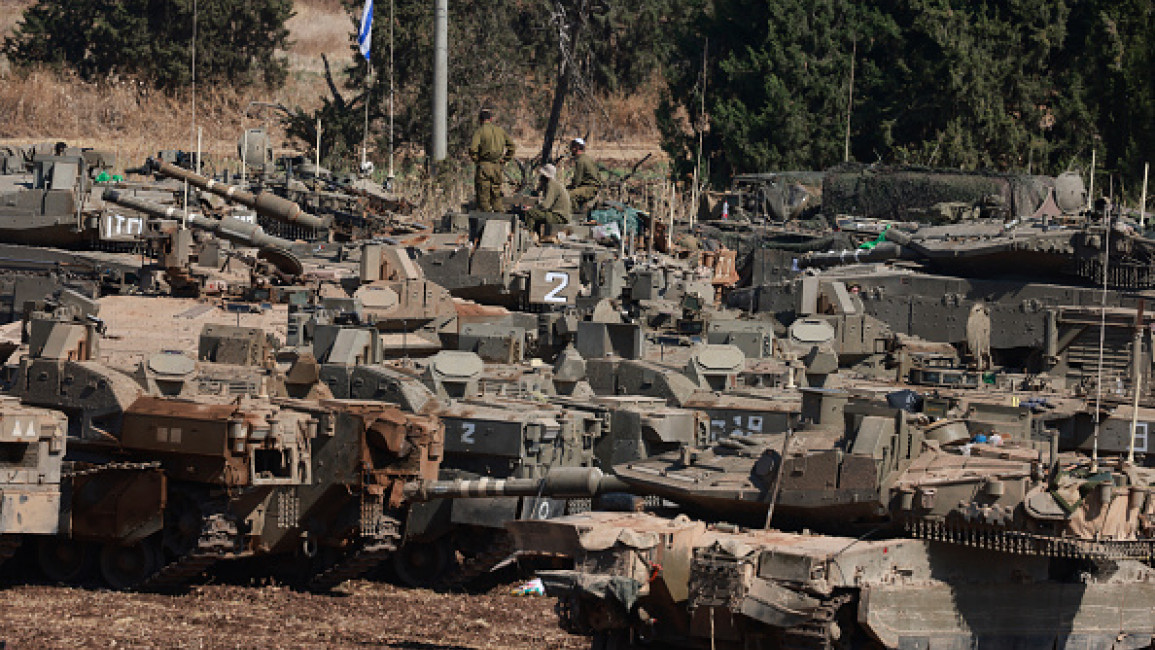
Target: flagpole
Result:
[365, 133]
[390, 92]
[365, 44]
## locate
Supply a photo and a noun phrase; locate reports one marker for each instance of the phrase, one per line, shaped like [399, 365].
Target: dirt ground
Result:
[360, 613]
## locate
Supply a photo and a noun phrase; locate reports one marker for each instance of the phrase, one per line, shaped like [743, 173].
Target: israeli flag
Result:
[364, 37]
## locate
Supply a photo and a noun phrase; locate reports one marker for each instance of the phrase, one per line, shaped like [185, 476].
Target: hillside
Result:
[44, 104]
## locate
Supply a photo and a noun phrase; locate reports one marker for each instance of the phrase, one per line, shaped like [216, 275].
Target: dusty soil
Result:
[366, 614]
[139, 327]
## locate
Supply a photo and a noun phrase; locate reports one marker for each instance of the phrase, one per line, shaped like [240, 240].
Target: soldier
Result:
[554, 204]
[586, 181]
[490, 150]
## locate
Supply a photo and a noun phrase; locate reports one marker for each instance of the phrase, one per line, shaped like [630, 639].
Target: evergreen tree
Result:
[1109, 82]
[777, 83]
[236, 41]
[995, 84]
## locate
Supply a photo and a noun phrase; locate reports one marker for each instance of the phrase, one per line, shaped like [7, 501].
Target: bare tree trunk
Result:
[568, 35]
[559, 94]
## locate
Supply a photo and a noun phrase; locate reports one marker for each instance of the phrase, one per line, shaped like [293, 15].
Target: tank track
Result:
[9, 544]
[818, 632]
[484, 562]
[370, 551]
[217, 540]
[110, 467]
[1023, 543]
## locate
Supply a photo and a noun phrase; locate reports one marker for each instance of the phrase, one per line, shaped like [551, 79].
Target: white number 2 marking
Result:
[563, 281]
[467, 431]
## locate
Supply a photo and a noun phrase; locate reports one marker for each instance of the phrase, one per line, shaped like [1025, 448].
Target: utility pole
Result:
[440, 78]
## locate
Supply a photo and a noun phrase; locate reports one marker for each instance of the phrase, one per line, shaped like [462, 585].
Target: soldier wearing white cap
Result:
[554, 204]
[586, 181]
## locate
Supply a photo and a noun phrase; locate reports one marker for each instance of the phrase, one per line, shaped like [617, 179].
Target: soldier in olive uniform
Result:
[586, 181]
[490, 150]
[554, 204]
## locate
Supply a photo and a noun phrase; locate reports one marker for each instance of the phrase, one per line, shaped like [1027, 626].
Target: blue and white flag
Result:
[364, 37]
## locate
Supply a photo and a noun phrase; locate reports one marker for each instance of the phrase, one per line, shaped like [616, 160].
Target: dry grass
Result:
[43, 105]
[10, 12]
[320, 27]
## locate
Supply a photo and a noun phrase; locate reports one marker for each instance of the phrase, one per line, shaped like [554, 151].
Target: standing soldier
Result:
[553, 206]
[586, 181]
[490, 150]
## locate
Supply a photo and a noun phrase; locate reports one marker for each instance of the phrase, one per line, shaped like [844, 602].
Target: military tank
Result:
[1063, 533]
[863, 467]
[155, 489]
[1034, 250]
[641, 580]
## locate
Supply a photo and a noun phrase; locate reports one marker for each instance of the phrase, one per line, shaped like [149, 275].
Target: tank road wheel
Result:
[64, 560]
[422, 564]
[124, 567]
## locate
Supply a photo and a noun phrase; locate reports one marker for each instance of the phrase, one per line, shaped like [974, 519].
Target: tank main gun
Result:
[265, 203]
[275, 249]
[560, 482]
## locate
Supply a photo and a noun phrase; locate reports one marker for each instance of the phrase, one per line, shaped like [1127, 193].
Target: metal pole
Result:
[365, 133]
[1102, 337]
[1143, 200]
[245, 156]
[184, 221]
[778, 477]
[200, 133]
[317, 170]
[1137, 373]
[440, 78]
[1091, 190]
[390, 90]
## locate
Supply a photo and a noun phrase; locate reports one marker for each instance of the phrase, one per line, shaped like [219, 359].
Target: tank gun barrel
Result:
[561, 482]
[140, 205]
[234, 230]
[265, 203]
[896, 245]
[242, 232]
[881, 253]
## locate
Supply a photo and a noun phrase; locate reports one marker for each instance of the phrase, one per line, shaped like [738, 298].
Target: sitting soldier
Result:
[554, 204]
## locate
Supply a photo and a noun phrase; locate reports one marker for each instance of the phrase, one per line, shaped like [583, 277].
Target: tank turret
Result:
[647, 580]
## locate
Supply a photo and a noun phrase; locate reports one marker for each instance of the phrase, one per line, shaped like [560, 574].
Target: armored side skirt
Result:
[1044, 615]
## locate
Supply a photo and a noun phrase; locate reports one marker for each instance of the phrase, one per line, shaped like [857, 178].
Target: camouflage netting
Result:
[896, 193]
